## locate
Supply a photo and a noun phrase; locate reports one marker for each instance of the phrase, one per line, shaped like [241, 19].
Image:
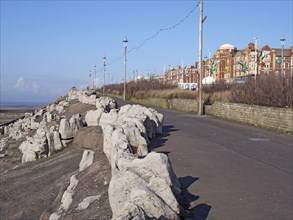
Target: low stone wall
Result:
[280, 119]
[185, 105]
[268, 117]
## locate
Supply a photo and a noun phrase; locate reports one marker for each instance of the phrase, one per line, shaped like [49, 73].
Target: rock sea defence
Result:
[143, 183]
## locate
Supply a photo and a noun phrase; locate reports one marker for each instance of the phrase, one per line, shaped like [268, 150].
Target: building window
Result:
[267, 65]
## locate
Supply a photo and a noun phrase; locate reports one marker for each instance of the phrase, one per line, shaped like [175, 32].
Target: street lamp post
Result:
[200, 107]
[90, 78]
[205, 67]
[210, 65]
[125, 41]
[255, 57]
[282, 44]
[95, 76]
[104, 70]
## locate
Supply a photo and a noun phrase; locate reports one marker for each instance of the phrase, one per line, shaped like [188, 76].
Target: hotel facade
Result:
[228, 63]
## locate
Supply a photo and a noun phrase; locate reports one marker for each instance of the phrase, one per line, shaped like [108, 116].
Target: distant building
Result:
[228, 63]
[186, 74]
[224, 57]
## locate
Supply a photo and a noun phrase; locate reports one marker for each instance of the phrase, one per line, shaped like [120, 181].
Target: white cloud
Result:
[23, 86]
[20, 83]
[35, 88]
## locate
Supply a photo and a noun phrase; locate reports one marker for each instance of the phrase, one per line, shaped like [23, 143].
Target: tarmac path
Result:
[230, 170]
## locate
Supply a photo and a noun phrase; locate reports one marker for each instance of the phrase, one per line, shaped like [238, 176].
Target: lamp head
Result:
[282, 40]
[125, 41]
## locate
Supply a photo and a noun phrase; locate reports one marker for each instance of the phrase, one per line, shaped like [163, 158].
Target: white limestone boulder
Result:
[87, 201]
[107, 142]
[131, 211]
[88, 99]
[75, 123]
[137, 143]
[83, 96]
[160, 165]
[3, 143]
[107, 103]
[151, 119]
[109, 117]
[34, 147]
[28, 156]
[65, 130]
[57, 141]
[40, 112]
[131, 189]
[92, 117]
[54, 142]
[68, 129]
[87, 159]
[73, 93]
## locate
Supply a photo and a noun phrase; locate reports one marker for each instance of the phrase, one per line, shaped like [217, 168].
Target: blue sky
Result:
[49, 46]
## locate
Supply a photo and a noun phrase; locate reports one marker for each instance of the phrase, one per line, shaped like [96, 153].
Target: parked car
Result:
[187, 86]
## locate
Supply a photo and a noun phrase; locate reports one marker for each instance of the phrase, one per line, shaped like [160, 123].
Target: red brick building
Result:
[187, 74]
[228, 63]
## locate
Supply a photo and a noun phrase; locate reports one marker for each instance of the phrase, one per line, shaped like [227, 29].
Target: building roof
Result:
[227, 46]
[266, 47]
[278, 51]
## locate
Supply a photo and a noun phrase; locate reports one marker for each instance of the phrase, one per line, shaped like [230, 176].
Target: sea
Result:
[22, 105]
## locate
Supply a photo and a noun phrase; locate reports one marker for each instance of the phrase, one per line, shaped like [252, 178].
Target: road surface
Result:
[230, 171]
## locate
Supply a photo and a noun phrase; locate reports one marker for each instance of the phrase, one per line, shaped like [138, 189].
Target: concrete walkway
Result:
[230, 171]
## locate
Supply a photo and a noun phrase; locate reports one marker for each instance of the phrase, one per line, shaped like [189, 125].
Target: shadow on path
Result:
[200, 211]
[161, 140]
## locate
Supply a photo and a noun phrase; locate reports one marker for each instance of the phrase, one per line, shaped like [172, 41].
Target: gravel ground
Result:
[34, 190]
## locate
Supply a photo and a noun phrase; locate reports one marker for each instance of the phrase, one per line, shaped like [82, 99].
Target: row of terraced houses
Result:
[228, 63]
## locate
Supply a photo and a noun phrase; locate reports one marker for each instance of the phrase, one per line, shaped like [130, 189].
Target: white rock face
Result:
[158, 180]
[83, 96]
[34, 147]
[92, 117]
[139, 187]
[3, 143]
[143, 184]
[54, 141]
[87, 201]
[75, 123]
[107, 103]
[159, 165]
[137, 142]
[65, 130]
[49, 117]
[66, 198]
[21, 127]
[129, 188]
[151, 119]
[107, 146]
[58, 107]
[109, 118]
[68, 129]
[87, 159]
[68, 194]
[40, 112]
[57, 141]
[28, 156]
